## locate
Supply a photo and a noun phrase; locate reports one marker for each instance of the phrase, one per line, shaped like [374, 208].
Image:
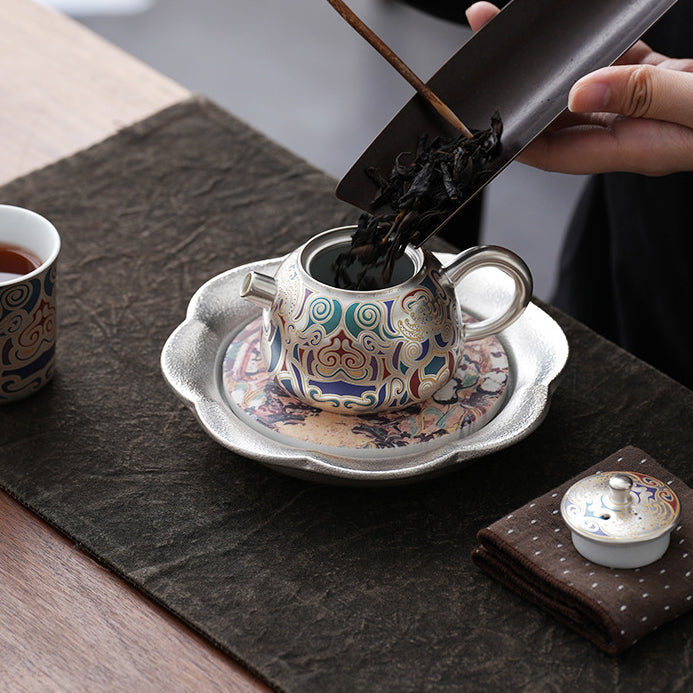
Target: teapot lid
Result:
[620, 507]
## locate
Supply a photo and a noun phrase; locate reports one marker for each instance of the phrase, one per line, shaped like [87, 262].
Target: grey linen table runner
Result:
[316, 588]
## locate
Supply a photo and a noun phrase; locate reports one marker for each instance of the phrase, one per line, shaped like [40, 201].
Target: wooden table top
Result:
[66, 623]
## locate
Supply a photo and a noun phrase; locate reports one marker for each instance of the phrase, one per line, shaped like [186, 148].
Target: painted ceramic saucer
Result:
[243, 415]
[472, 397]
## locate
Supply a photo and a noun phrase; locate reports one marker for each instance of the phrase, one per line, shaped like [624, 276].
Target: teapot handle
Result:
[508, 262]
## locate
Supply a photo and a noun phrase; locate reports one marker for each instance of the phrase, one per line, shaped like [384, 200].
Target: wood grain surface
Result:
[63, 88]
[67, 624]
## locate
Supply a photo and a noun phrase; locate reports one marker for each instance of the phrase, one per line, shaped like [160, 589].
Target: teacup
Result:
[358, 352]
[27, 303]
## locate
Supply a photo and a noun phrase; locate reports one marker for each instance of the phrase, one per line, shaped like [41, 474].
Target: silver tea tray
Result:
[192, 357]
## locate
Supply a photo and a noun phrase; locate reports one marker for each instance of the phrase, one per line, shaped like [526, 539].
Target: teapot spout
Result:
[259, 288]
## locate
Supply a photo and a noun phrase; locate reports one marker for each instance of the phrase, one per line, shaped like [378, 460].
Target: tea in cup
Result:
[29, 247]
[357, 352]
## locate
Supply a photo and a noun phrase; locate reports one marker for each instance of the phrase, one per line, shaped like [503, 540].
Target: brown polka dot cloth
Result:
[531, 552]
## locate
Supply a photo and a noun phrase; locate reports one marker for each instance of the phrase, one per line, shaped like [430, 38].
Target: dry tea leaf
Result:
[417, 195]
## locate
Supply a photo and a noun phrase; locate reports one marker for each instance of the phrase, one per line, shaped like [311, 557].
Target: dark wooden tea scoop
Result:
[521, 64]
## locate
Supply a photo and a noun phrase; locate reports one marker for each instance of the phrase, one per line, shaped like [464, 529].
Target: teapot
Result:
[364, 351]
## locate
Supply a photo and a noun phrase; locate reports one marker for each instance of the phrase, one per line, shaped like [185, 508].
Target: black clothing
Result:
[625, 266]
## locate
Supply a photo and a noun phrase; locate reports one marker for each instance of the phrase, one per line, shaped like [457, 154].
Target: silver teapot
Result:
[359, 352]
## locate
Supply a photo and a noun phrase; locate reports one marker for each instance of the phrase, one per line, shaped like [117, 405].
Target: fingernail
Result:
[589, 98]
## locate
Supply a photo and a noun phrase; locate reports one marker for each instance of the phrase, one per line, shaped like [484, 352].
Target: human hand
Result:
[635, 116]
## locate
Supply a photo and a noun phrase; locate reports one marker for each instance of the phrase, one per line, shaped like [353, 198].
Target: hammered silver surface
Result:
[191, 359]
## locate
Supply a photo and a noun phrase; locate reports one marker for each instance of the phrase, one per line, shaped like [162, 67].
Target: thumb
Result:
[480, 13]
[636, 91]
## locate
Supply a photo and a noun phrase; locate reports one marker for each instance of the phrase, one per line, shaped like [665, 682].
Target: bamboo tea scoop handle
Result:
[399, 65]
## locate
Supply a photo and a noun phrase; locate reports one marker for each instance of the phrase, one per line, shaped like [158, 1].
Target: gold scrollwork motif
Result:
[14, 297]
[27, 335]
[38, 333]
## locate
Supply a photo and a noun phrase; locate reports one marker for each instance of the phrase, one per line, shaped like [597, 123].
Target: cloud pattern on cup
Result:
[28, 328]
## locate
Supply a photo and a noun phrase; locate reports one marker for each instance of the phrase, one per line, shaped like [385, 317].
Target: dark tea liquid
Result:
[16, 261]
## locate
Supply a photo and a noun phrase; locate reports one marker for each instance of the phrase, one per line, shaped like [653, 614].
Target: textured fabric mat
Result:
[317, 588]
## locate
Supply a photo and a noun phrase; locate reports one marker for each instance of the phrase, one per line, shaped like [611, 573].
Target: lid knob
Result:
[619, 496]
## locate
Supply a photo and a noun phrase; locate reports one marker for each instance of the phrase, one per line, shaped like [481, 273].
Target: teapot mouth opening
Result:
[319, 257]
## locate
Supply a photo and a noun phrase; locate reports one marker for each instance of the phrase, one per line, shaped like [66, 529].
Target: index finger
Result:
[636, 91]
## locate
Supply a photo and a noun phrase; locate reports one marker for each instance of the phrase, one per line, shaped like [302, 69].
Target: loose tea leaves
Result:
[416, 197]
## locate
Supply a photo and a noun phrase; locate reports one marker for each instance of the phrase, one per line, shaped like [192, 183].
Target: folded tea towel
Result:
[531, 552]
